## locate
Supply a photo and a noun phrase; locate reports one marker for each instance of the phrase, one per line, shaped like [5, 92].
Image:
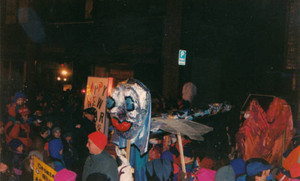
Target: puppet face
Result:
[128, 108]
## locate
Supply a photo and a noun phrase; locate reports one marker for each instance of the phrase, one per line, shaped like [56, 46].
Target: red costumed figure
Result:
[261, 135]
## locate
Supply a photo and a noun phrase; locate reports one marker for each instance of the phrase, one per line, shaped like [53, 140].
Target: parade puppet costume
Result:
[129, 106]
[262, 132]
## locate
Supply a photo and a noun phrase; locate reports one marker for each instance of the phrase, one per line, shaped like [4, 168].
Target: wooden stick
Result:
[128, 150]
[283, 145]
[181, 153]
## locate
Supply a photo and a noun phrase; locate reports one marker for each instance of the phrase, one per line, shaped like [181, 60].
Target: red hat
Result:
[99, 139]
[24, 111]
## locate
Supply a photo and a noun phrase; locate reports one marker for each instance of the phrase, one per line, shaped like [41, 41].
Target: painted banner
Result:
[41, 171]
[97, 90]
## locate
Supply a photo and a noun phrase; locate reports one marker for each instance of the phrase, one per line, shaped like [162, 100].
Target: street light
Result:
[58, 78]
[64, 72]
[65, 79]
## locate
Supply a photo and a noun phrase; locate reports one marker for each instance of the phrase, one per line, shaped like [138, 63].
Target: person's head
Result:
[19, 98]
[1, 127]
[44, 131]
[90, 113]
[225, 173]
[96, 142]
[257, 169]
[238, 166]
[16, 145]
[68, 136]
[56, 132]
[35, 153]
[49, 124]
[56, 148]
[24, 111]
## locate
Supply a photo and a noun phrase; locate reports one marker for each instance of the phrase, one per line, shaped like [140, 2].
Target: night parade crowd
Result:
[58, 131]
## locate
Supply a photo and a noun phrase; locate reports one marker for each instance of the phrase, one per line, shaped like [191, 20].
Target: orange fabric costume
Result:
[18, 131]
[262, 133]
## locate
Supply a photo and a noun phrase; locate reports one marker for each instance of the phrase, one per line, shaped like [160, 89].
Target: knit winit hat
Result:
[99, 139]
[36, 153]
[56, 129]
[15, 143]
[65, 175]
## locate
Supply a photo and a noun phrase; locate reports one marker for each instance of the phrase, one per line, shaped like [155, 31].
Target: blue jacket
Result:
[55, 146]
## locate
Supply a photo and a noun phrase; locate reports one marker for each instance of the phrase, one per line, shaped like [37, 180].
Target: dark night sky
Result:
[246, 37]
[241, 42]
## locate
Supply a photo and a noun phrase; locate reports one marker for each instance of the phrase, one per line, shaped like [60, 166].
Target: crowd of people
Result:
[59, 132]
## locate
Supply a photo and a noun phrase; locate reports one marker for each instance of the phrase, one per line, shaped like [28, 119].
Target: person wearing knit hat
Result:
[17, 156]
[55, 151]
[70, 152]
[239, 166]
[27, 173]
[83, 128]
[56, 132]
[225, 173]
[65, 175]
[99, 161]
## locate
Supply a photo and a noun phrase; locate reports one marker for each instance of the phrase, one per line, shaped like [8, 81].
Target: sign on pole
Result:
[97, 90]
[182, 57]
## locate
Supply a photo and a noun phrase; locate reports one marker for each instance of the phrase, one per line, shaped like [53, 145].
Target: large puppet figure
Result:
[262, 132]
[129, 106]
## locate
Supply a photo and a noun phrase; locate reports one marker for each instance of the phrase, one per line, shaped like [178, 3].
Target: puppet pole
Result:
[128, 150]
[181, 152]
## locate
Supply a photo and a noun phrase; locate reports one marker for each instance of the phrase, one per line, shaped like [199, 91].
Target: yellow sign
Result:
[41, 171]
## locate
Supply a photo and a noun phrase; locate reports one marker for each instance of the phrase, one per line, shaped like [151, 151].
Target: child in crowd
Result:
[56, 151]
[56, 132]
[27, 173]
[17, 157]
[40, 140]
[70, 153]
[49, 124]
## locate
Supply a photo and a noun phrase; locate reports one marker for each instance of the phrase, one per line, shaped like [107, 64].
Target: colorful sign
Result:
[97, 90]
[41, 171]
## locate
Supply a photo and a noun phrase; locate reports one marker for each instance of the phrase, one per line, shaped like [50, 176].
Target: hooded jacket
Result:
[55, 146]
